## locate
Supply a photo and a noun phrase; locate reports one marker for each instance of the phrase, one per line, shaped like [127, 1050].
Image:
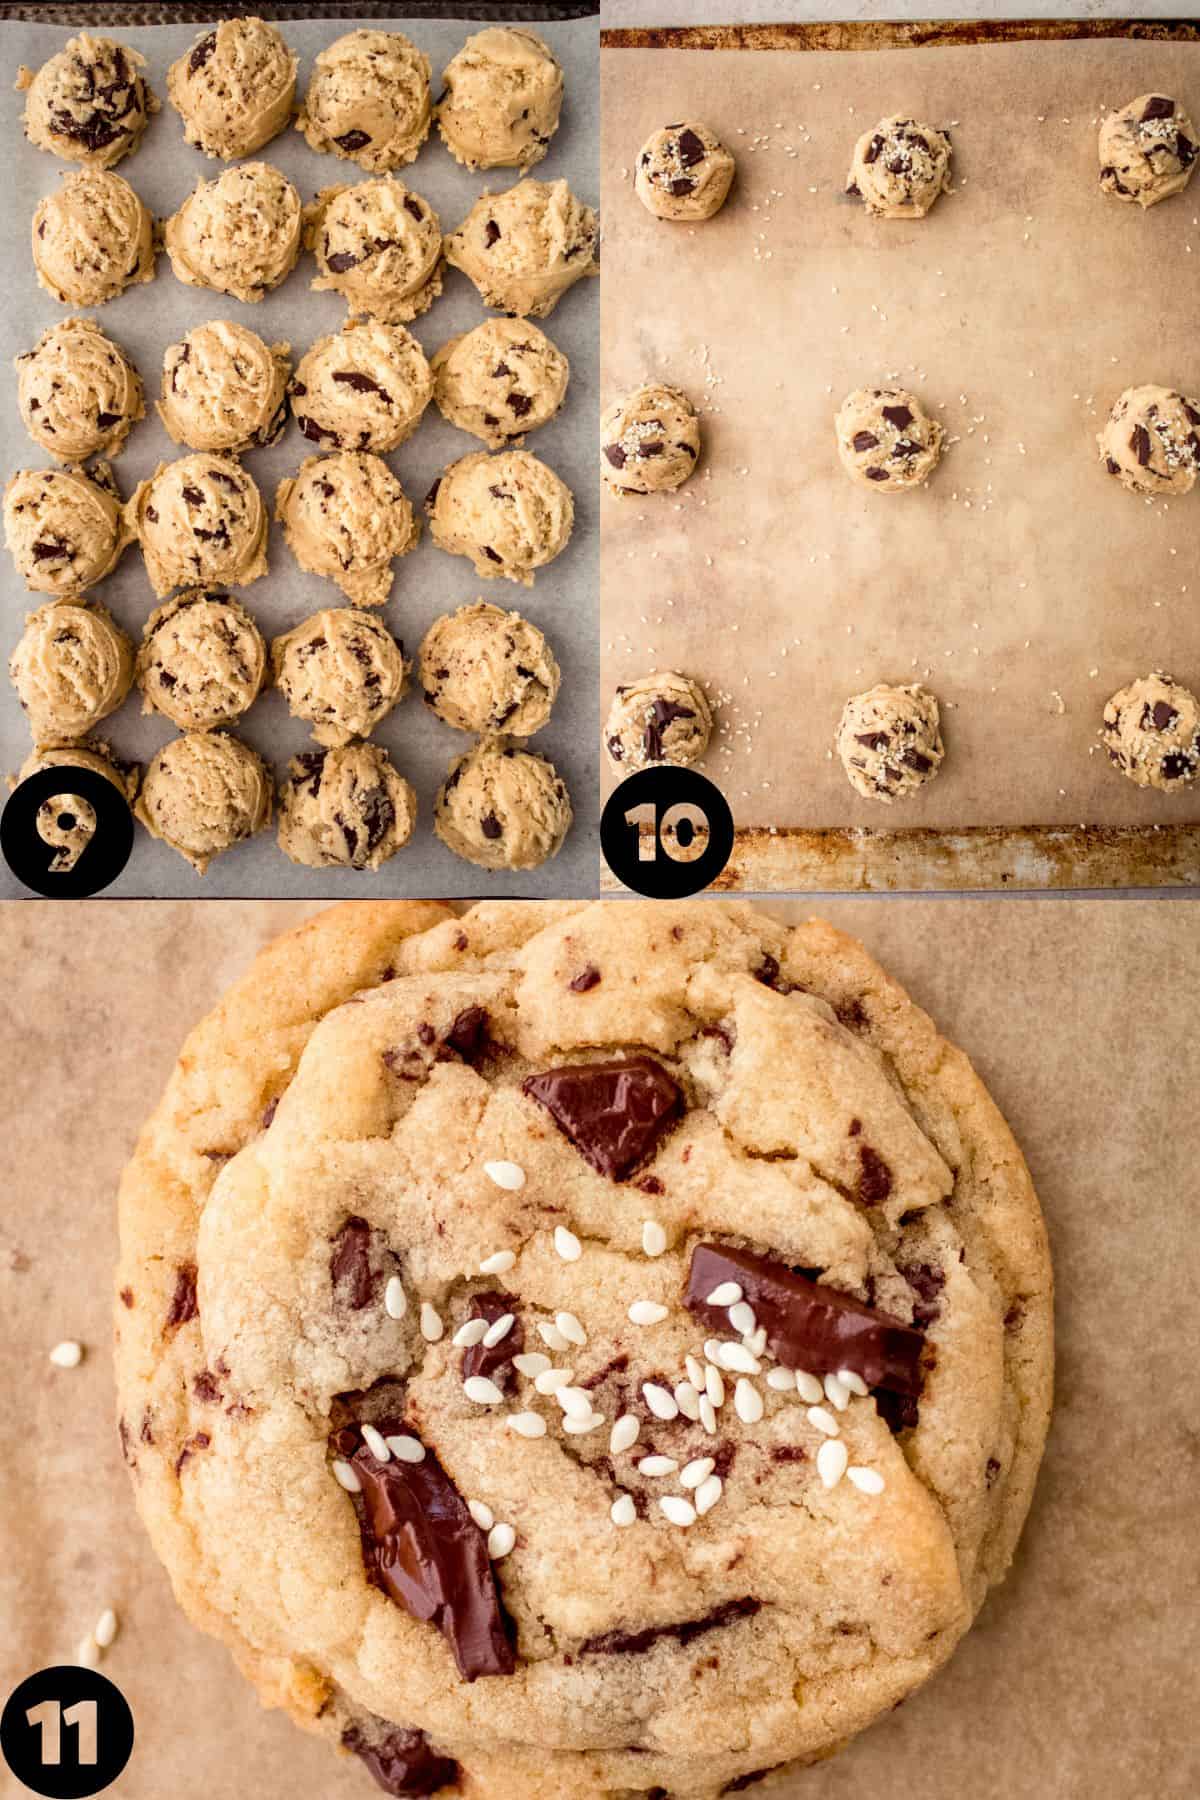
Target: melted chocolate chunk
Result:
[615, 455]
[403, 1762]
[586, 980]
[491, 233]
[468, 1034]
[350, 141]
[899, 416]
[873, 149]
[491, 826]
[360, 384]
[340, 261]
[926, 1282]
[412, 206]
[614, 1113]
[874, 1177]
[350, 1266]
[865, 440]
[1157, 108]
[662, 714]
[877, 474]
[202, 51]
[689, 149]
[520, 404]
[636, 1643]
[682, 184]
[1139, 443]
[183, 1301]
[495, 1360]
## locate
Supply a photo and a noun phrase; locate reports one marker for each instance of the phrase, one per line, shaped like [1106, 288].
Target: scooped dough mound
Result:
[224, 389]
[486, 670]
[68, 821]
[500, 381]
[346, 516]
[199, 520]
[503, 808]
[204, 792]
[238, 234]
[662, 718]
[509, 513]
[78, 392]
[91, 754]
[72, 667]
[649, 440]
[684, 173]
[887, 440]
[379, 245]
[1147, 150]
[342, 670]
[202, 660]
[501, 98]
[890, 741]
[89, 103]
[64, 527]
[234, 88]
[347, 808]
[900, 167]
[1151, 441]
[364, 388]
[1152, 732]
[524, 248]
[92, 239]
[368, 100]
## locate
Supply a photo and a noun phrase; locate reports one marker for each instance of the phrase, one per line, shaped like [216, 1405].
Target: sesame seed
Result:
[497, 1332]
[570, 1327]
[677, 1509]
[531, 1363]
[808, 1387]
[527, 1424]
[406, 1449]
[741, 1317]
[654, 1238]
[551, 1380]
[647, 1312]
[551, 1336]
[499, 1263]
[712, 1349]
[822, 1420]
[576, 1402]
[470, 1334]
[67, 1355]
[708, 1493]
[747, 1402]
[726, 1293]
[567, 1244]
[375, 1444]
[482, 1391]
[577, 1427]
[781, 1380]
[431, 1325]
[756, 1342]
[661, 1403]
[395, 1300]
[867, 1481]
[482, 1514]
[708, 1416]
[714, 1386]
[507, 1175]
[696, 1472]
[657, 1465]
[87, 1653]
[739, 1360]
[695, 1372]
[623, 1511]
[501, 1539]
[106, 1628]
[347, 1477]
[687, 1400]
[831, 1461]
[624, 1433]
[837, 1393]
[854, 1382]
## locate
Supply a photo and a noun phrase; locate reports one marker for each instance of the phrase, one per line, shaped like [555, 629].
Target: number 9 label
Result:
[66, 832]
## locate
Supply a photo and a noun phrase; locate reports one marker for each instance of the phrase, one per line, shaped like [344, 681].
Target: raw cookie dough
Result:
[663, 718]
[368, 100]
[203, 793]
[346, 516]
[238, 234]
[199, 519]
[89, 103]
[900, 167]
[68, 821]
[364, 388]
[524, 248]
[1147, 150]
[202, 660]
[684, 172]
[92, 239]
[78, 392]
[649, 440]
[486, 670]
[503, 808]
[1152, 732]
[64, 527]
[224, 389]
[889, 741]
[501, 98]
[886, 439]
[342, 670]
[1151, 441]
[500, 381]
[234, 88]
[379, 245]
[72, 667]
[508, 512]
[347, 808]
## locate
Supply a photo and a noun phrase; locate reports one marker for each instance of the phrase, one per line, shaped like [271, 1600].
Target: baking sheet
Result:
[164, 170]
[1021, 585]
[1080, 1019]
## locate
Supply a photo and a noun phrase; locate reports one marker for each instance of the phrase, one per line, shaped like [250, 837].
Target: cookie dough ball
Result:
[234, 88]
[523, 249]
[509, 513]
[890, 742]
[1152, 732]
[346, 517]
[486, 670]
[368, 100]
[78, 392]
[663, 718]
[501, 98]
[379, 245]
[64, 527]
[649, 440]
[72, 667]
[1147, 150]
[89, 103]
[684, 172]
[347, 808]
[199, 520]
[500, 381]
[239, 234]
[68, 821]
[92, 239]
[365, 388]
[204, 792]
[224, 389]
[1151, 441]
[899, 168]
[887, 440]
[202, 660]
[502, 808]
[342, 670]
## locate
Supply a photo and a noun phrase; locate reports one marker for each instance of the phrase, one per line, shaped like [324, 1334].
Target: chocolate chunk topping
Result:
[899, 416]
[873, 149]
[340, 261]
[877, 474]
[682, 184]
[1163, 716]
[183, 1301]
[491, 233]
[201, 53]
[468, 1034]
[1157, 108]
[350, 1268]
[403, 1762]
[874, 1177]
[495, 1360]
[1139, 443]
[636, 1643]
[586, 980]
[865, 440]
[350, 141]
[491, 826]
[614, 1113]
[361, 384]
[690, 149]
[520, 404]
[662, 714]
[615, 455]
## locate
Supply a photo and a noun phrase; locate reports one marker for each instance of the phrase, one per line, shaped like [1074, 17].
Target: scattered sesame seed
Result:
[501, 1539]
[708, 1493]
[867, 1481]
[497, 1332]
[837, 1393]
[527, 1424]
[498, 1264]
[726, 1293]
[741, 1317]
[654, 1238]
[808, 1387]
[708, 1416]
[740, 1360]
[623, 1511]
[854, 1382]
[106, 1628]
[697, 1472]
[577, 1427]
[551, 1336]
[550, 1381]
[831, 1461]
[677, 1509]
[695, 1372]
[482, 1514]
[661, 1403]
[576, 1402]
[432, 1328]
[507, 1175]
[570, 1327]
[714, 1386]
[376, 1444]
[567, 1244]
[687, 1400]
[781, 1380]
[470, 1333]
[822, 1420]
[87, 1653]
[647, 1312]
[406, 1449]
[482, 1391]
[347, 1477]
[657, 1465]
[624, 1433]
[747, 1402]
[67, 1355]
[395, 1300]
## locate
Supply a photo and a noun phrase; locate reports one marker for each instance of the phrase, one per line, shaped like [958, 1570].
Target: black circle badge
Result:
[66, 832]
[66, 1732]
[666, 832]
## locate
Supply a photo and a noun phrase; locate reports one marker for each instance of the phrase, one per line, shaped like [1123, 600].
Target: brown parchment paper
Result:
[1022, 585]
[1080, 1018]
